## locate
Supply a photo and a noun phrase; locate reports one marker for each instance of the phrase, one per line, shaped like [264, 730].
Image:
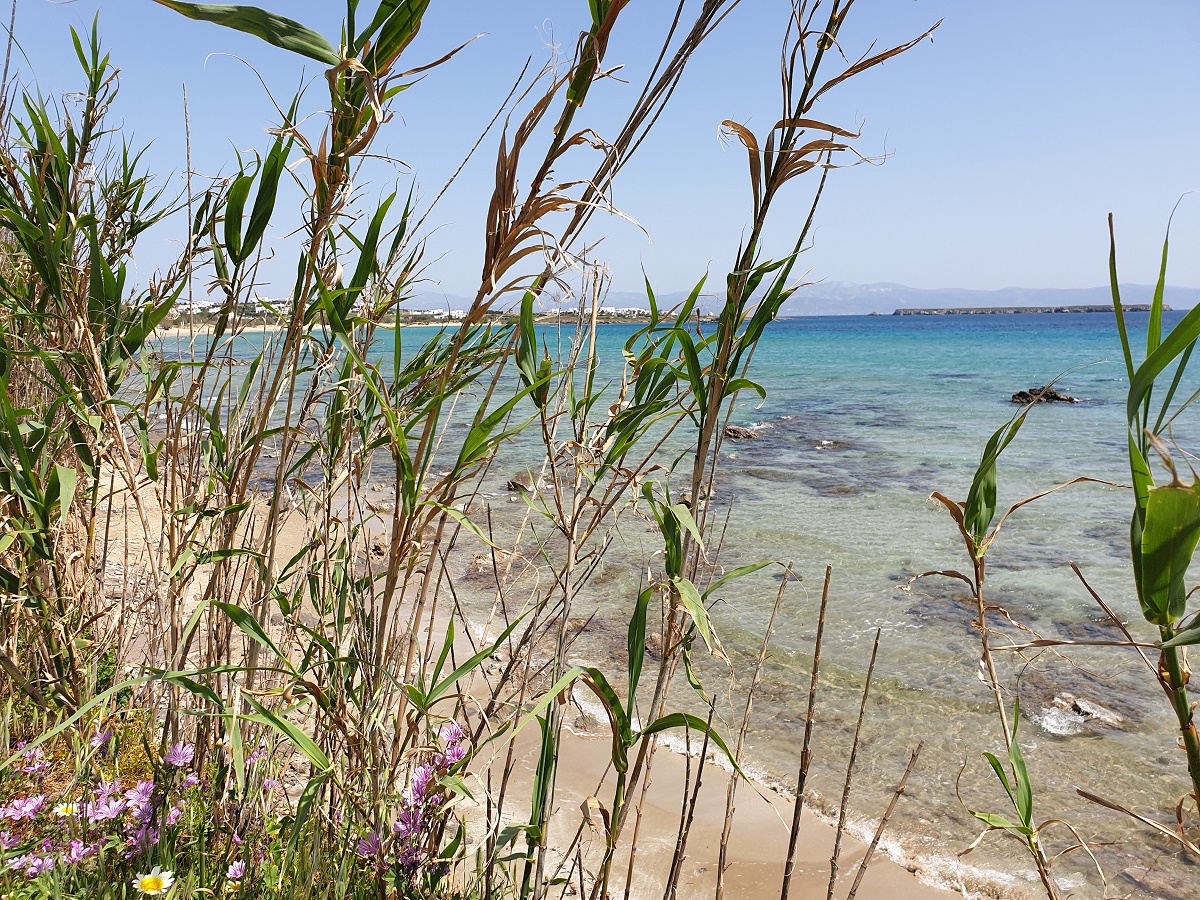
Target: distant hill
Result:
[841, 298]
[844, 298]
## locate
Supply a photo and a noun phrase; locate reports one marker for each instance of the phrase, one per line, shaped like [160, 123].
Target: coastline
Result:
[758, 841]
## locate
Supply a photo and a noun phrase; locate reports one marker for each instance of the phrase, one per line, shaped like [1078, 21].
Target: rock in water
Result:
[740, 433]
[523, 482]
[1045, 394]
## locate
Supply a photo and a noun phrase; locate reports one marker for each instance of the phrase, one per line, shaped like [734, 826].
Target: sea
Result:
[864, 418]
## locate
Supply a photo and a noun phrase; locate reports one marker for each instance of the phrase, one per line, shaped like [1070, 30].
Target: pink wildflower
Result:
[24, 808]
[100, 740]
[180, 755]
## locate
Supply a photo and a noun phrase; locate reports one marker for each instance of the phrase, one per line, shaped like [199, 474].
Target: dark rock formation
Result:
[740, 433]
[1045, 394]
[522, 482]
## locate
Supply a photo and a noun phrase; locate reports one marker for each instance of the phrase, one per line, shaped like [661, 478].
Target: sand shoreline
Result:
[758, 841]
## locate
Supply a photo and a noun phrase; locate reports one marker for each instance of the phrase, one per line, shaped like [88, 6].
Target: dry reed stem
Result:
[731, 793]
[805, 749]
[841, 823]
[689, 807]
[866, 860]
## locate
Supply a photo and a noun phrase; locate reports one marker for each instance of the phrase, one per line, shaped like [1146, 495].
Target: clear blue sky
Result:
[1008, 139]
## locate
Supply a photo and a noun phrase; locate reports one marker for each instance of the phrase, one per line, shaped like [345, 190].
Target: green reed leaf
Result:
[270, 27]
[691, 722]
[292, 732]
[636, 646]
[1168, 542]
[249, 625]
[694, 605]
[980, 507]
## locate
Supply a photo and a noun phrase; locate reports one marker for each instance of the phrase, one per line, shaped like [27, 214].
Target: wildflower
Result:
[256, 756]
[180, 755]
[236, 870]
[35, 761]
[8, 840]
[101, 739]
[156, 881]
[24, 808]
[451, 733]
[109, 808]
[36, 865]
[143, 839]
[238, 839]
[455, 753]
[78, 851]
[106, 789]
[270, 785]
[173, 814]
[409, 822]
[66, 810]
[370, 847]
[191, 779]
[142, 793]
[418, 784]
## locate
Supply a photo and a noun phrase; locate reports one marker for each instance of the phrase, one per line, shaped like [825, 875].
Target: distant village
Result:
[265, 309]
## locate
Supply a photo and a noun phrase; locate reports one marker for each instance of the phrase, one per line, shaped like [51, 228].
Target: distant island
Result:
[1007, 310]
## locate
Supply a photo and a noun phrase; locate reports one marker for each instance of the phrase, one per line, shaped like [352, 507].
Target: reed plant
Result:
[1164, 531]
[212, 621]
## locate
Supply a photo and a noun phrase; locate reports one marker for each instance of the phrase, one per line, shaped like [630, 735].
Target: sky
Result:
[997, 150]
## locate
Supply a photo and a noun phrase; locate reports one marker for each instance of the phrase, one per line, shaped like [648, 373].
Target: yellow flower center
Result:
[150, 884]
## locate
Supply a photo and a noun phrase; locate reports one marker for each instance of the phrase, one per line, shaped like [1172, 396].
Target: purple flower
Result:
[370, 847]
[180, 755]
[77, 852]
[455, 753]
[258, 754]
[238, 839]
[173, 815]
[418, 783]
[109, 808]
[409, 822]
[33, 865]
[236, 870]
[143, 793]
[8, 840]
[191, 779]
[25, 808]
[451, 733]
[35, 761]
[106, 789]
[410, 857]
[101, 739]
[144, 838]
[270, 785]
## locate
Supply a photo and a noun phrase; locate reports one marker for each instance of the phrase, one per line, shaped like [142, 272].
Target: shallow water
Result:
[866, 417]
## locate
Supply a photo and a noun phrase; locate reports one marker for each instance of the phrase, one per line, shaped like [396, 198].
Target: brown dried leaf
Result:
[746, 136]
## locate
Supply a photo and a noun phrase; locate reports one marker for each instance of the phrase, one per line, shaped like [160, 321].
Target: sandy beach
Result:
[758, 842]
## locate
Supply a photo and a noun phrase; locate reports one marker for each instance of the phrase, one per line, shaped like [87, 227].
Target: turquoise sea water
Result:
[864, 418]
[907, 404]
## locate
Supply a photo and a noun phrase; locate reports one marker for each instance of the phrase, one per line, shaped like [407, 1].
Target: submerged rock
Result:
[523, 482]
[1045, 394]
[1160, 884]
[740, 433]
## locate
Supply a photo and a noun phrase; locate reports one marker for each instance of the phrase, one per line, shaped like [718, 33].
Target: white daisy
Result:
[155, 882]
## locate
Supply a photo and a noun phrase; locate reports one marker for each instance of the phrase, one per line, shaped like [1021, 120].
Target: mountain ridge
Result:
[845, 298]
